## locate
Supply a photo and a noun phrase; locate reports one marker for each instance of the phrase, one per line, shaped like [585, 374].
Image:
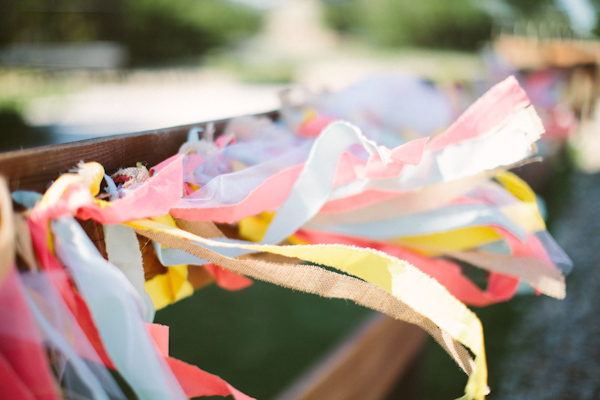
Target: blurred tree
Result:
[596, 5]
[153, 30]
[530, 8]
[428, 23]
[541, 18]
[185, 27]
[446, 24]
[15, 134]
[342, 15]
[57, 20]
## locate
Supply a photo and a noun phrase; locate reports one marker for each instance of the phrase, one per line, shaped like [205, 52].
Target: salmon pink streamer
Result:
[505, 98]
[194, 381]
[24, 369]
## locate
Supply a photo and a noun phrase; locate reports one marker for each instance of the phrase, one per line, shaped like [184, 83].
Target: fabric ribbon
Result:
[123, 252]
[76, 363]
[112, 300]
[24, 369]
[380, 273]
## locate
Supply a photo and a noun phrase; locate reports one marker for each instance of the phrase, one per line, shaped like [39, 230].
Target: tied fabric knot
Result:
[131, 176]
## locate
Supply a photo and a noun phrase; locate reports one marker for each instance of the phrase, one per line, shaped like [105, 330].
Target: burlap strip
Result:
[315, 280]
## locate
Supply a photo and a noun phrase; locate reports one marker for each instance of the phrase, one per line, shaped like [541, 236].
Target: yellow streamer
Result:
[167, 288]
[526, 214]
[254, 228]
[458, 239]
[516, 186]
[420, 292]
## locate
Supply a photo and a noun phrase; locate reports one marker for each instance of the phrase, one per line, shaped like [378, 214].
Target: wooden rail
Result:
[34, 169]
[366, 366]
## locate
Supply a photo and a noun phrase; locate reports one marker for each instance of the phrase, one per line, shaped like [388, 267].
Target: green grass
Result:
[259, 339]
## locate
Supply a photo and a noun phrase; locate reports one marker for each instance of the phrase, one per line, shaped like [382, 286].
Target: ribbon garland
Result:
[395, 222]
[399, 278]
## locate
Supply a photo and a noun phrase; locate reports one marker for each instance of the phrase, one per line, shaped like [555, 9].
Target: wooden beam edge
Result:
[365, 366]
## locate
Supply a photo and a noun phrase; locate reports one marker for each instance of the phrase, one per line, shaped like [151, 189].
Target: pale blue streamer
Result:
[313, 187]
[26, 198]
[111, 187]
[109, 296]
[169, 256]
[497, 247]
[231, 188]
[287, 151]
[123, 252]
[194, 134]
[86, 376]
[439, 220]
[555, 252]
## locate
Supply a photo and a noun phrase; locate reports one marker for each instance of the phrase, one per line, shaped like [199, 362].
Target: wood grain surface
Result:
[34, 169]
[366, 366]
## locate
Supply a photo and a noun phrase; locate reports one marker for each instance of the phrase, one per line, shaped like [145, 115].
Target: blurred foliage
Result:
[445, 24]
[178, 28]
[152, 30]
[530, 8]
[15, 133]
[596, 5]
[427, 23]
[539, 18]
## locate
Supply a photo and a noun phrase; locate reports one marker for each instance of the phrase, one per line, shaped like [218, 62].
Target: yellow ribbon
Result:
[167, 288]
[405, 282]
[458, 239]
